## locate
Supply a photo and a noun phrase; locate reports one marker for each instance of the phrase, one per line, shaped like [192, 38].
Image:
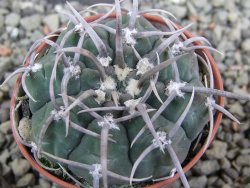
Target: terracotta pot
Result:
[25, 151]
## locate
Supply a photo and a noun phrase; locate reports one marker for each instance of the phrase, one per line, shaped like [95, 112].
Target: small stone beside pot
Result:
[119, 99]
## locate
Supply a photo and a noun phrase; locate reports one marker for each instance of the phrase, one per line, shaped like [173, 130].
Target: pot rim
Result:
[218, 117]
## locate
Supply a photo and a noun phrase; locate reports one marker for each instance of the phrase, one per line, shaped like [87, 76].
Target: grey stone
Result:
[226, 178]
[244, 143]
[26, 180]
[198, 182]
[3, 11]
[180, 11]
[226, 186]
[5, 64]
[211, 180]
[245, 3]
[233, 16]
[218, 150]
[4, 156]
[243, 160]
[224, 163]
[235, 34]
[191, 9]
[245, 45]
[207, 167]
[218, 3]
[236, 109]
[2, 140]
[232, 173]
[6, 170]
[5, 127]
[52, 21]
[14, 33]
[218, 32]
[35, 35]
[1, 21]
[24, 129]
[19, 167]
[199, 4]
[44, 183]
[12, 19]
[31, 23]
[246, 171]
[221, 17]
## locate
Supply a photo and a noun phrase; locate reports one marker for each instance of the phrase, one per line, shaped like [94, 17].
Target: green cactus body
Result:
[114, 101]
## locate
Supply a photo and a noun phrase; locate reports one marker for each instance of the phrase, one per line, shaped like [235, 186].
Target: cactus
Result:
[120, 99]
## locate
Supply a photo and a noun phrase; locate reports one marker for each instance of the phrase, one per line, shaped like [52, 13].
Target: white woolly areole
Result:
[128, 36]
[100, 96]
[143, 66]
[108, 84]
[36, 67]
[105, 61]
[58, 114]
[162, 138]
[130, 13]
[79, 28]
[132, 87]
[74, 70]
[96, 171]
[108, 121]
[131, 104]
[33, 147]
[122, 73]
[175, 87]
[210, 101]
[176, 49]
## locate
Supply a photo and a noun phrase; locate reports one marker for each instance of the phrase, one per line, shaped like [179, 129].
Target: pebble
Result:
[224, 163]
[226, 178]
[27, 179]
[44, 183]
[198, 182]
[31, 23]
[24, 128]
[4, 156]
[2, 140]
[3, 11]
[12, 19]
[207, 167]
[245, 3]
[236, 109]
[218, 3]
[245, 45]
[5, 127]
[243, 160]
[19, 167]
[1, 21]
[199, 4]
[226, 186]
[246, 171]
[5, 64]
[218, 150]
[52, 21]
[232, 173]
[180, 11]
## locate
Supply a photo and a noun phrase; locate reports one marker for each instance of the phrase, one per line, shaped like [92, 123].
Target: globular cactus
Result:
[119, 99]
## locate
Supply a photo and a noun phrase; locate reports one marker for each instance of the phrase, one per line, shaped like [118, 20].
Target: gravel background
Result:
[225, 23]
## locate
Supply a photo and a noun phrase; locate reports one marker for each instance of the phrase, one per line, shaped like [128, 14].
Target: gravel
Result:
[12, 19]
[30, 23]
[226, 24]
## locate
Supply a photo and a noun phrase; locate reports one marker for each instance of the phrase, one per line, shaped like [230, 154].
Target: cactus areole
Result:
[118, 99]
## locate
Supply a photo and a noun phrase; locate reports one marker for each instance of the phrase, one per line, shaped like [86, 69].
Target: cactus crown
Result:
[119, 99]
